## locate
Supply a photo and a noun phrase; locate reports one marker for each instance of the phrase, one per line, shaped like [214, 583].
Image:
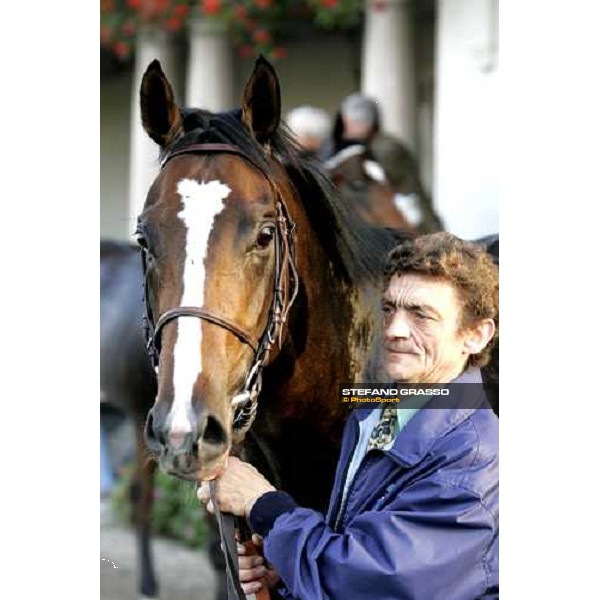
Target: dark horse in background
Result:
[127, 380]
[232, 187]
[364, 184]
[385, 162]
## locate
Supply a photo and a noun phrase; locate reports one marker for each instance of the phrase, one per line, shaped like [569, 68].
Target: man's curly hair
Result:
[464, 264]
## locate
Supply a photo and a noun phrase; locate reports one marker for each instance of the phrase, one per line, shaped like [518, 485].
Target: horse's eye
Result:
[265, 236]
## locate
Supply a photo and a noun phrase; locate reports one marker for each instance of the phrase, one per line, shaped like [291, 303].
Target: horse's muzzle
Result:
[187, 453]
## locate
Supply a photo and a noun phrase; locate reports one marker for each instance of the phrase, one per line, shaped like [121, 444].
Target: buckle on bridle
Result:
[241, 399]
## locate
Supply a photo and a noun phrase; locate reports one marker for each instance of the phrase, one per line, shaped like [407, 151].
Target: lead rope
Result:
[227, 523]
[227, 534]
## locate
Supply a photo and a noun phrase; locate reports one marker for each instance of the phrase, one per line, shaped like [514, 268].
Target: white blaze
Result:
[375, 171]
[202, 203]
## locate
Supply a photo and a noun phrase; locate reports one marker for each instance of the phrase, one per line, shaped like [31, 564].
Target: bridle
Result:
[285, 290]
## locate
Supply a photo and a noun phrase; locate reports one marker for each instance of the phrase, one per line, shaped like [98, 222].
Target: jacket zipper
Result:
[368, 457]
[336, 511]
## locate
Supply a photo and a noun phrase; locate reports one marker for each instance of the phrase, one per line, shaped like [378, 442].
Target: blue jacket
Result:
[420, 521]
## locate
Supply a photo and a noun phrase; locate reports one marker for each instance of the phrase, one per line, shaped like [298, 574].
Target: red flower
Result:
[262, 3]
[279, 52]
[181, 10]
[240, 12]
[210, 7]
[173, 24]
[161, 5]
[105, 34]
[121, 49]
[329, 3]
[246, 51]
[135, 4]
[128, 28]
[261, 36]
[380, 5]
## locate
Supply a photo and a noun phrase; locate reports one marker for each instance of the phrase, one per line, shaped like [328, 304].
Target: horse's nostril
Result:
[214, 433]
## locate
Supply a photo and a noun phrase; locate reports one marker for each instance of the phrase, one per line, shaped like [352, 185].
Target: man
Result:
[414, 509]
[311, 127]
[358, 122]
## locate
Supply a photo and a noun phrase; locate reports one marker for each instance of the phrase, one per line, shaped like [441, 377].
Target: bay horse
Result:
[250, 253]
[222, 271]
[364, 184]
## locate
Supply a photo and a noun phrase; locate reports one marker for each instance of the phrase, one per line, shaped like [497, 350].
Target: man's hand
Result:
[237, 488]
[253, 572]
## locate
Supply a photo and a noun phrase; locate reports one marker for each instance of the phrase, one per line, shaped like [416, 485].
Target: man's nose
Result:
[398, 325]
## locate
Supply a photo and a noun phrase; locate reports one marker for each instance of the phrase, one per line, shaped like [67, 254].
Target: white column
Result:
[209, 67]
[388, 65]
[466, 123]
[150, 44]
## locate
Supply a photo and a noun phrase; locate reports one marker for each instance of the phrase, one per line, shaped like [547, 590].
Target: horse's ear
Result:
[261, 111]
[160, 114]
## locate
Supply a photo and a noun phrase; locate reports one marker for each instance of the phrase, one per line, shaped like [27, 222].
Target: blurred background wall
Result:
[431, 64]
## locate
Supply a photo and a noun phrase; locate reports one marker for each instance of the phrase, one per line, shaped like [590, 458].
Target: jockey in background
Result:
[359, 122]
[311, 127]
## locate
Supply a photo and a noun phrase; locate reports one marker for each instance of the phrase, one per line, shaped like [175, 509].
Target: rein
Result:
[227, 524]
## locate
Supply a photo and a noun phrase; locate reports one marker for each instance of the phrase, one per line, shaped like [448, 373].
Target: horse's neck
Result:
[301, 415]
[331, 331]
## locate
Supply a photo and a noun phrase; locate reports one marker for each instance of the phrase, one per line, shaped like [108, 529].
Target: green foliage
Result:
[336, 14]
[176, 512]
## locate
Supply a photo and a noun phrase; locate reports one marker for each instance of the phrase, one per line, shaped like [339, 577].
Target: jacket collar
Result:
[431, 423]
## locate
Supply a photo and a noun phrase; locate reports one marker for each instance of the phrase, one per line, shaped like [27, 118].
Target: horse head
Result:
[218, 247]
[365, 185]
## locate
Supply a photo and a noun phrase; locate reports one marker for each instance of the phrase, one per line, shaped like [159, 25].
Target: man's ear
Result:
[479, 336]
[261, 108]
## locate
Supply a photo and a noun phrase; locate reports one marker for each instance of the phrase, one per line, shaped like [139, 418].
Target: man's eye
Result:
[387, 309]
[265, 236]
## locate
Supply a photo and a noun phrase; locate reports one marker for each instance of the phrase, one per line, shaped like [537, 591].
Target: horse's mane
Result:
[357, 249]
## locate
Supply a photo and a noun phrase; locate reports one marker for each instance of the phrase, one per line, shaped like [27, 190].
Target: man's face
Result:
[421, 319]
